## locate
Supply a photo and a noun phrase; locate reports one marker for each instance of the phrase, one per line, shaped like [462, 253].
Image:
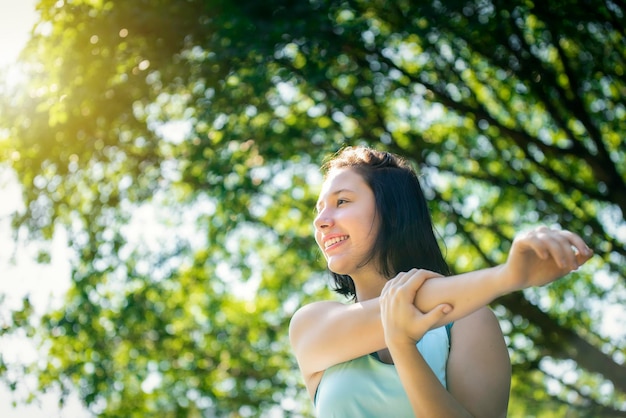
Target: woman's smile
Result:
[334, 241]
[346, 222]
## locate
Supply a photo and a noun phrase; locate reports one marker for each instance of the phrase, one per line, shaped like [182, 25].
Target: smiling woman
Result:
[405, 347]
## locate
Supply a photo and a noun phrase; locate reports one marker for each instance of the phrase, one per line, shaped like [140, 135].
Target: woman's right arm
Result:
[323, 334]
[326, 333]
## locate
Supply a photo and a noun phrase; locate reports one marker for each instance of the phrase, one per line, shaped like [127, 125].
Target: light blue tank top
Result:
[368, 388]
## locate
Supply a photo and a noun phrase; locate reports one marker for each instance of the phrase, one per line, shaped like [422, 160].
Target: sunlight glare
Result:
[16, 21]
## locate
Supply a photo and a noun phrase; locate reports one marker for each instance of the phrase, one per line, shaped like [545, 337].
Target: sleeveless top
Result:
[366, 387]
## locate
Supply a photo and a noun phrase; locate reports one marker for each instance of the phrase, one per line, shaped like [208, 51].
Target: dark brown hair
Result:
[406, 237]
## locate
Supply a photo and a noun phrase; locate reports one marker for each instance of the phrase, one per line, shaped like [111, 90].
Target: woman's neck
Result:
[368, 286]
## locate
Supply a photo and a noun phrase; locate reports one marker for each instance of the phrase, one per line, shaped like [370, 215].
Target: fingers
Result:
[413, 279]
[558, 247]
[438, 312]
[567, 249]
[402, 321]
[406, 285]
[581, 251]
[406, 324]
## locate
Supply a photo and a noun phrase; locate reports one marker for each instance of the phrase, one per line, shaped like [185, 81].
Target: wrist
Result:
[400, 343]
[402, 349]
[503, 280]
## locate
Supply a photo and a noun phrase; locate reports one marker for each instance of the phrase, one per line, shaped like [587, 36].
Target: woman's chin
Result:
[338, 268]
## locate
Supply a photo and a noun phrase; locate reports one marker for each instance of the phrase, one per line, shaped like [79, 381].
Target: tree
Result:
[215, 116]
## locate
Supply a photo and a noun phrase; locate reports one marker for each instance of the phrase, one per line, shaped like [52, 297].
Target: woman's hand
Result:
[402, 322]
[543, 255]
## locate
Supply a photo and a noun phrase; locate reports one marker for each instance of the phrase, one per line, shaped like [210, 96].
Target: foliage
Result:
[213, 116]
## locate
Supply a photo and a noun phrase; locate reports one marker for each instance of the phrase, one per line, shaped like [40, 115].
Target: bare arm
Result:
[327, 333]
[403, 325]
[478, 372]
[426, 394]
[479, 369]
[536, 258]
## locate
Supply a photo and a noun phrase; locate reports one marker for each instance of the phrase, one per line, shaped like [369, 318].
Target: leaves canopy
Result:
[212, 116]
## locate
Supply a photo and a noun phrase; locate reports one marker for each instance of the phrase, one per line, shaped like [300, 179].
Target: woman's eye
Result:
[341, 201]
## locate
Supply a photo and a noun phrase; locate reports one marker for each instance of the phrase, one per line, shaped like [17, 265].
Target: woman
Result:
[414, 342]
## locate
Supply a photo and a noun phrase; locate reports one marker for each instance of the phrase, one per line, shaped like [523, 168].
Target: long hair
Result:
[406, 237]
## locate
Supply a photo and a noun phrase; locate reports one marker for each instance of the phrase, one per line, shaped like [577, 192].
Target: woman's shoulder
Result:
[320, 304]
[312, 312]
[315, 308]
[474, 329]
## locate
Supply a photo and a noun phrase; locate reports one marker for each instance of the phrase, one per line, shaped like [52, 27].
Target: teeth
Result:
[334, 241]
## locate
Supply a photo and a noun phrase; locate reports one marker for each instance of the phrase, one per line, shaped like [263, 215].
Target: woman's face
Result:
[346, 224]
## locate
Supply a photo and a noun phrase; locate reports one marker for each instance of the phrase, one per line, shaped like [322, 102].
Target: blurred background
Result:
[159, 165]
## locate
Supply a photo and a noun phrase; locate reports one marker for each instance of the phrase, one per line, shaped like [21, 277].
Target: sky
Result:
[17, 18]
[18, 274]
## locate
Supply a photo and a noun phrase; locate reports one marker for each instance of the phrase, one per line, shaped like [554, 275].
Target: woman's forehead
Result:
[339, 178]
[342, 180]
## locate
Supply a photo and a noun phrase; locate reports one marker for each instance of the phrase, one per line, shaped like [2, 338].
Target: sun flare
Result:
[16, 22]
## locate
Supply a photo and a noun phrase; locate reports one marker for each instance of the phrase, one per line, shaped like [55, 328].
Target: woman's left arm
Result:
[478, 370]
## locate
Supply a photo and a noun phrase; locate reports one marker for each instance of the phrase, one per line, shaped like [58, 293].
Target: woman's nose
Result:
[323, 220]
